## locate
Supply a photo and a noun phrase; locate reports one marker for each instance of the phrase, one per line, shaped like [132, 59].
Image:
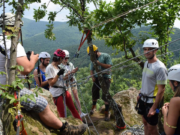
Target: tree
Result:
[118, 32]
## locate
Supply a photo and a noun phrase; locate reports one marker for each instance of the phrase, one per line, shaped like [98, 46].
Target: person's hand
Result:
[93, 79]
[165, 108]
[34, 57]
[74, 70]
[61, 72]
[152, 111]
[138, 98]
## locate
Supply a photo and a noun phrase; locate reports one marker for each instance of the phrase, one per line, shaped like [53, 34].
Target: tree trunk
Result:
[7, 118]
[112, 103]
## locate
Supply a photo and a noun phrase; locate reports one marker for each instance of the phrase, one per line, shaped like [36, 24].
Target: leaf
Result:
[2, 73]
[31, 97]
[14, 84]
[11, 111]
[21, 85]
[20, 68]
[12, 101]
[8, 96]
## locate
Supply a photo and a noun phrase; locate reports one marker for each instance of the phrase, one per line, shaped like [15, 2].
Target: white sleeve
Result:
[49, 73]
[20, 51]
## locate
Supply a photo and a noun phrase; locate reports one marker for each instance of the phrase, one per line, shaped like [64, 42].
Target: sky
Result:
[62, 15]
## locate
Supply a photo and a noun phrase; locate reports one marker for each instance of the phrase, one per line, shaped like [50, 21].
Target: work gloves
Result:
[61, 72]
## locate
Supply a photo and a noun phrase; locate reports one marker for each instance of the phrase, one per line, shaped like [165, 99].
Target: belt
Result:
[62, 87]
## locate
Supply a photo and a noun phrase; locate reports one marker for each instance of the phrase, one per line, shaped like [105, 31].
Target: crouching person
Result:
[41, 105]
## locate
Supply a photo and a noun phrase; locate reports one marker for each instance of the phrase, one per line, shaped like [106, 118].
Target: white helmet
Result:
[44, 55]
[67, 53]
[174, 73]
[152, 43]
[9, 19]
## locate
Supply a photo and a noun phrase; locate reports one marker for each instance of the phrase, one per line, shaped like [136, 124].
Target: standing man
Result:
[104, 62]
[68, 66]
[154, 79]
[39, 72]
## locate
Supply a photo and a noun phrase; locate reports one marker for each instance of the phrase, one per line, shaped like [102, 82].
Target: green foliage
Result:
[163, 14]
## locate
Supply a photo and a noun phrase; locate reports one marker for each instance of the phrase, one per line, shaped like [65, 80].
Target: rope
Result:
[122, 14]
[87, 110]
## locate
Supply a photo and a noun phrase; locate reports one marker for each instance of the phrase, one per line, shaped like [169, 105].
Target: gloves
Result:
[61, 72]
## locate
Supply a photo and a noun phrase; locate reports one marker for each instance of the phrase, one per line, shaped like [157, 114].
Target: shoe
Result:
[107, 116]
[83, 114]
[73, 130]
[93, 109]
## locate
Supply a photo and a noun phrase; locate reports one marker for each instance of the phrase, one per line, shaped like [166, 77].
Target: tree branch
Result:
[75, 11]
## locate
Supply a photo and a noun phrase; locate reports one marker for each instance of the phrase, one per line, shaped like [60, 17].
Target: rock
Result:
[127, 99]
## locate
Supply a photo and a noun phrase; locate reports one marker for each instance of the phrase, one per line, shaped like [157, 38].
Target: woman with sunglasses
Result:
[72, 88]
[56, 80]
[171, 111]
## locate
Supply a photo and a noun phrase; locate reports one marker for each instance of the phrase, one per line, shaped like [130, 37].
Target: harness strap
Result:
[19, 120]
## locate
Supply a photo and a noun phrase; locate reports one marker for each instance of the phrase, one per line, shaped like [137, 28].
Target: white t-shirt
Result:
[153, 74]
[51, 72]
[20, 53]
[68, 68]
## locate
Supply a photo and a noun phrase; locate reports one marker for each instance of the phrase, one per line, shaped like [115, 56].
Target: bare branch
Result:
[60, 10]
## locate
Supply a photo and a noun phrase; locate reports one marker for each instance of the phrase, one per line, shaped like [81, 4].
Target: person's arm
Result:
[69, 73]
[52, 81]
[28, 65]
[103, 65]
[36, 78]
[93, 78]
[107, 63]
[171, 115]
[161, 89]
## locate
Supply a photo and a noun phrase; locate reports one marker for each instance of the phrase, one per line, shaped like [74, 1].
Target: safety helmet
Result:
[152, 43]
[95, 48]
[44, 55]
[174, 73]
[59, 53]
[66, 53]
[9, 19]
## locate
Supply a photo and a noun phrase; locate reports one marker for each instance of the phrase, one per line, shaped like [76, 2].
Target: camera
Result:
[28, 54]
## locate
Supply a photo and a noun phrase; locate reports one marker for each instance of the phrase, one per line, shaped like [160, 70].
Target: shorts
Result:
[144, 110]
[38, 107]
[96, 88]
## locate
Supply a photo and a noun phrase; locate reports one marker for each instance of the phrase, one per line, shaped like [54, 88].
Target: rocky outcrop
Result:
[127, 99]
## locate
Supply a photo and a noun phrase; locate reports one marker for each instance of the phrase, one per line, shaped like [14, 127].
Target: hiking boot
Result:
[73, 130]
[107, 116]
[93, 109]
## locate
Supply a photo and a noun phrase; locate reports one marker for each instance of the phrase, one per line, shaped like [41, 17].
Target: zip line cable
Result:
[122, 14]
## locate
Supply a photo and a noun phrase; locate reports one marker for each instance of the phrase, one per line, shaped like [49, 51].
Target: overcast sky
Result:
[62, 15]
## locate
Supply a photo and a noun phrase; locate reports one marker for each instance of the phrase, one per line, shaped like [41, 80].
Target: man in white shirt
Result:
[154, 79]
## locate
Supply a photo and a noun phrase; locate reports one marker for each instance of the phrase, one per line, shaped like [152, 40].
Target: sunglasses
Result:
[66, 58]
